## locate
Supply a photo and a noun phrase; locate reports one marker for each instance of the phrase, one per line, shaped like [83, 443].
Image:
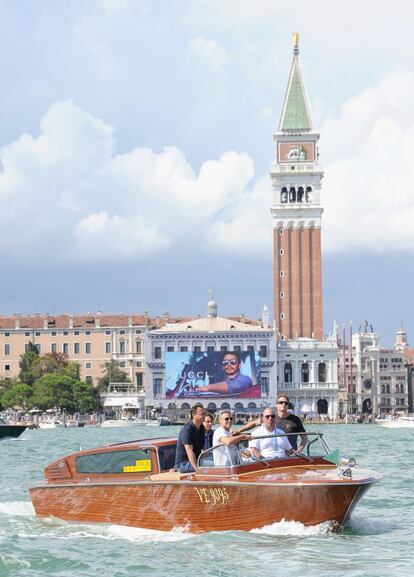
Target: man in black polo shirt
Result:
[290, 423]
[190, 441]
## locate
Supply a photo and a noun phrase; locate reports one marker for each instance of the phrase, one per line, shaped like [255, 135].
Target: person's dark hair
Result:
[194, 408]
[211, 416]
[234, 353]
[282, 397]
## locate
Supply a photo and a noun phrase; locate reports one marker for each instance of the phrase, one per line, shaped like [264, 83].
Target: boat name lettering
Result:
[214, 496]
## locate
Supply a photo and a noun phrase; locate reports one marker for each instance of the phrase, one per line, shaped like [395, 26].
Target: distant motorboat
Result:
[10, 431]
[123, 422]
[398, 423]
[51, 424]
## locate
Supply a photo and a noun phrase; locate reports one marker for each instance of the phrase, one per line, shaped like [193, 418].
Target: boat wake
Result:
[17, 508]
[294, 528]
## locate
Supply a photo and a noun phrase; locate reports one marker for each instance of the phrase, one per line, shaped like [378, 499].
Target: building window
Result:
[122, 347]
[7, 367]
[138, 332]
[170, 349]
[250, 348]
[122, 332]
[65, 333]
[322, 373]
[139, 380]
[7, 334]
[107, 332]
[88, 365]
[157, 384]
[138, 347]
[53, 348]
[183, 349]
[281, 231]
[108, 348]
[264, 385]
[288, 373]
[304, 373]
[26, 334]
[197, 349]
[6, 350]
[65, 348]
[122, 365]
[282, 337]
[282, 295]
[263, 351]
[88, 379]
[76, 348]
[87, 333]
[281, 252]
[282, 316]
[53, 333]
[281, 274]
[88, 348]
[223, 349]
[237, 348]
[157, 352]
[210, 349]
[138, 364]
[76, 333]
[39, 349]
[37, 333]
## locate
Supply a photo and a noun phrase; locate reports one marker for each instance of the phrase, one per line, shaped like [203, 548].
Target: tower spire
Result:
[295, 113]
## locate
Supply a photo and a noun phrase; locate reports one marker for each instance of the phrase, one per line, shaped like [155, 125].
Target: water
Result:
[379, 540]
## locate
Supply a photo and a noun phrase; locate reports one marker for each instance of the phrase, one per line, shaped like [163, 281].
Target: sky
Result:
[136, 139]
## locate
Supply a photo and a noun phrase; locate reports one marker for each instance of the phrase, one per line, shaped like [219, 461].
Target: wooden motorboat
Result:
[132, 484]
[11, 431]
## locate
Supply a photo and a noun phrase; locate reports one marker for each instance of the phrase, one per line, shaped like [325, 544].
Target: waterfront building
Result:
[308, 375]
[183, 358]
[307, 362]
[91, 340]
[374, 378]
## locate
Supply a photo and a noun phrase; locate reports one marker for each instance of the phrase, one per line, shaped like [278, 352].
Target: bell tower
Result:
[296, 181]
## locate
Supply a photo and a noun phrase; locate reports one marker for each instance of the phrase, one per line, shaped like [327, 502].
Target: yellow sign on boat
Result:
[139, 467]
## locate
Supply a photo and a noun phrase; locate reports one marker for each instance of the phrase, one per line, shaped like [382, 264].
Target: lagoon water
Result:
[379, 540]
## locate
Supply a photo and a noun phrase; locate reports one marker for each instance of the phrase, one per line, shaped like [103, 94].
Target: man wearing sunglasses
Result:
[235, 382]
[290, 423]
[270, 447]
[223, 434]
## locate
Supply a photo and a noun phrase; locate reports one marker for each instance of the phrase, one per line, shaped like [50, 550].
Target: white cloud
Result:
[99, 236]
[66, 194]
[209, 50]
[368, 190]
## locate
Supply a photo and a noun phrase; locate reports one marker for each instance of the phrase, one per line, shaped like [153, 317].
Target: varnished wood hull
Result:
[198, 506]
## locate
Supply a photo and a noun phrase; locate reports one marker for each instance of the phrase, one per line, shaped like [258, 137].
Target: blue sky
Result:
[136, 139]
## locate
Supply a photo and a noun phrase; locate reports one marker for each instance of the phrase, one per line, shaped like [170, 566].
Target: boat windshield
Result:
[240, 454]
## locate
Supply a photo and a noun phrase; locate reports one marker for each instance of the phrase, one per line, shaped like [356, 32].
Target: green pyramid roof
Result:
[295, 115]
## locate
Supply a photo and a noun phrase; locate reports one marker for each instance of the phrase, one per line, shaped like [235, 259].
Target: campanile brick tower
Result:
[296, 181]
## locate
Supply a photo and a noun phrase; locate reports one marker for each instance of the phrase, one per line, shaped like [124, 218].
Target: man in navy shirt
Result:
[190, 441]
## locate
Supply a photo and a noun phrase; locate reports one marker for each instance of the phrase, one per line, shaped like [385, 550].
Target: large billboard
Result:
[212, 374]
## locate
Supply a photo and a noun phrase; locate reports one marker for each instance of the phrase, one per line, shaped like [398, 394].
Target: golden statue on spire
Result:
[295, 40]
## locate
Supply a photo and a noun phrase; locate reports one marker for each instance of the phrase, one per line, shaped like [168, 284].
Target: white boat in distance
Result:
[398, 423]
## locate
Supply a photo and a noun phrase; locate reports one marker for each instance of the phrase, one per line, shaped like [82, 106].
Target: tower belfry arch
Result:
[296, 210]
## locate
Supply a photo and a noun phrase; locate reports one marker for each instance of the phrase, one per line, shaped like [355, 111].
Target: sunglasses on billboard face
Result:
[231, 362]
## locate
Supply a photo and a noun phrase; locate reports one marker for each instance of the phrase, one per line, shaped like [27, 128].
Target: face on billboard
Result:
[212, 374]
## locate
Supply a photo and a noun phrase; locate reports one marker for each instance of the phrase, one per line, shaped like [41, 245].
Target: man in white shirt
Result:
[227, 455]
[272, 447]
